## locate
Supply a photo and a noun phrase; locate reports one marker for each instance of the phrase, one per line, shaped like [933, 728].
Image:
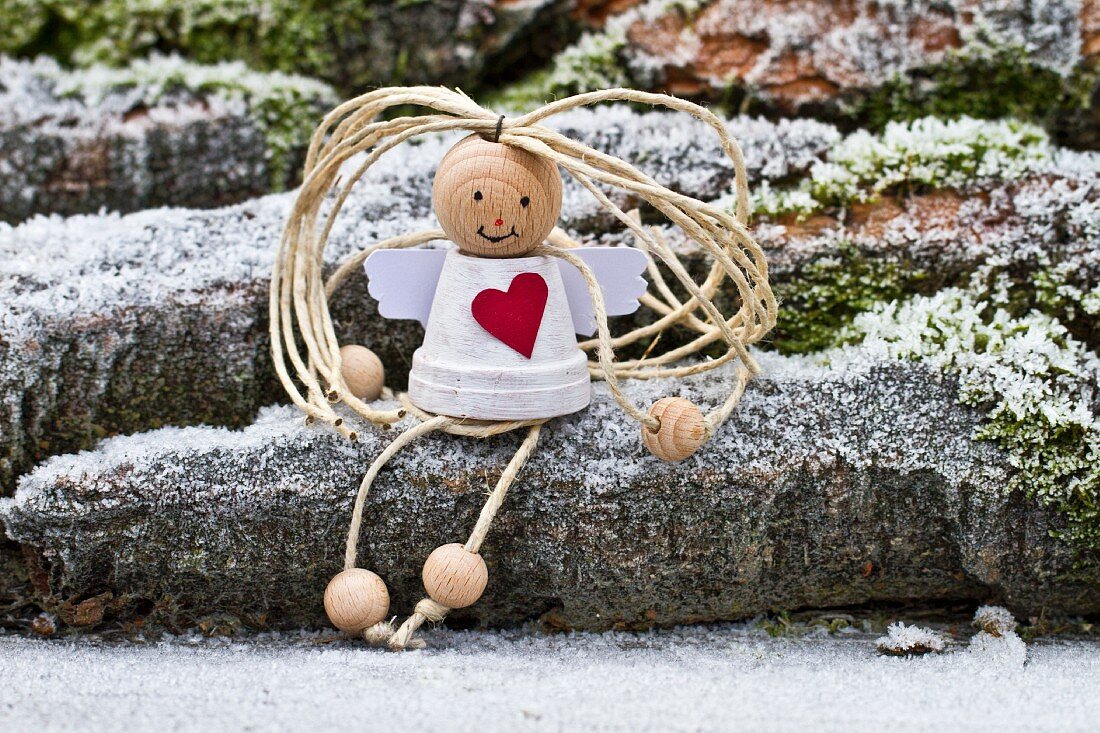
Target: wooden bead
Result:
[496, 200]
[683, 430]
[454, 576]
[356, 599]
[362, 371]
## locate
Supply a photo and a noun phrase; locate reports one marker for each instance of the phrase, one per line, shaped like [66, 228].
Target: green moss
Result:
[779, 625]
[924, 154]
[590, 64]
[287, 115]
[1065, 292]
[1007, 340]
[594, 62]
[988, 77]
[325, 40]
[1073, 305]
[1030, 375]
[1059, 464]
[23, 23]
[776, 203]
[825, 296]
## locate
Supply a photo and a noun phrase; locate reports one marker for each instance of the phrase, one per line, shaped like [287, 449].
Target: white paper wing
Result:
[619, 272]
[403, 281]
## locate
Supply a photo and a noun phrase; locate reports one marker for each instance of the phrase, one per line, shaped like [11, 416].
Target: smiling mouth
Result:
[496, 240]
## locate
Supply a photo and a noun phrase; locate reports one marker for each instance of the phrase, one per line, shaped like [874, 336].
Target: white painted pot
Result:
[463, 370]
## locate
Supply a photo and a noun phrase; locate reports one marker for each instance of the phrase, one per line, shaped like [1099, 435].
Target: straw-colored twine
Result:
[299, 297]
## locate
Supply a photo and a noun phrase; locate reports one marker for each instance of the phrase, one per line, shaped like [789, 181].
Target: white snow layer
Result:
[725, 678]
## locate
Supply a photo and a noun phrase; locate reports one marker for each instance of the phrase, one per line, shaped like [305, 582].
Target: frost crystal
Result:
[1006, 651]
[903, 641]
[995, 620]
[593, 62]
[925, 152]
[997, 642]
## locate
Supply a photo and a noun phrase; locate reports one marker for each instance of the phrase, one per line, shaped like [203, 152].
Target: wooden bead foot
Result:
[683, 429]
[356, 599]
[455, 577]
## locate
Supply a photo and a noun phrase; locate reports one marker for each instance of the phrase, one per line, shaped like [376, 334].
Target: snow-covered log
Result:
[871, 60]
[828, 487]
[122, 323]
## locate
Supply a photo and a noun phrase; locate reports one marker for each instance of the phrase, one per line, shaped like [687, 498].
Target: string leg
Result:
[429, 610]
[380, 632]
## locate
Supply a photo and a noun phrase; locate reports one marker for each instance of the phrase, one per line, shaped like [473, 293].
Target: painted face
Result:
[494, 200]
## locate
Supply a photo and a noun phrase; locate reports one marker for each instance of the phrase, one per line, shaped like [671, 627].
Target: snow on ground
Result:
[725, 678]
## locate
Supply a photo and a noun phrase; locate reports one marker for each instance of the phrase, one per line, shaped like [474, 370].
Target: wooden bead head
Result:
[683, 429]
[356, 599]
[362, 371]
[496, 200]
[454, 576]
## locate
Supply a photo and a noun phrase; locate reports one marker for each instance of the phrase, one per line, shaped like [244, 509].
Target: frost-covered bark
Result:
[826, 488]
[871, 59]
[799, 53]
[1036, 382]
[109, 321]
[161, 132]
[1039, 233]
[121, 323]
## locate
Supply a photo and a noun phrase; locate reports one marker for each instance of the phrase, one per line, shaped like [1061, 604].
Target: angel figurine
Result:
[500, 319]
[502, 310]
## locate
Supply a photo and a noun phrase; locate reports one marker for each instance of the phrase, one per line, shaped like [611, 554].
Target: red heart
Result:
[513, 317]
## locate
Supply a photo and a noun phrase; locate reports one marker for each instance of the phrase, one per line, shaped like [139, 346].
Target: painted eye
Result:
[477, 196]
[524, 201]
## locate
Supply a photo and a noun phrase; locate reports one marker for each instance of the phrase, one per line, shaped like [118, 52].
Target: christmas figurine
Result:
[502, 309]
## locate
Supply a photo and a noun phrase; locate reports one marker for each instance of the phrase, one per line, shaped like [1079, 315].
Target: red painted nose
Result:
[499, 222]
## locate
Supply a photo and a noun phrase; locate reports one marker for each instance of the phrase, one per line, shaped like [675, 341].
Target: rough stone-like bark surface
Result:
[116, 324]
[594, 13]
[945, 234]
[799, 55]
[830, 266]
[60, 155]
[826, 488]
[866, 61]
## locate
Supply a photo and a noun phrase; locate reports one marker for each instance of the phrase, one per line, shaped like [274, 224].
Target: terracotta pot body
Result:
[473, 362]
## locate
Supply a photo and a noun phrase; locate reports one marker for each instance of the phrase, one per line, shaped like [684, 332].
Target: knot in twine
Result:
[426, 610]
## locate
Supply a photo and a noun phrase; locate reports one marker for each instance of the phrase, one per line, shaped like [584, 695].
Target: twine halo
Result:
[306, 351]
